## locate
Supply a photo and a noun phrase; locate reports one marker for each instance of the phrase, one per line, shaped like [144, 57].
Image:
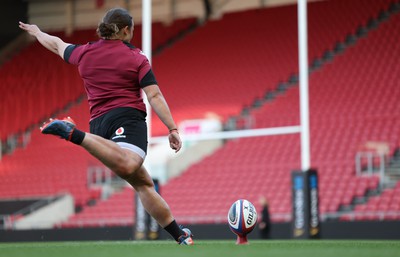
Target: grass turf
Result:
[204, 248]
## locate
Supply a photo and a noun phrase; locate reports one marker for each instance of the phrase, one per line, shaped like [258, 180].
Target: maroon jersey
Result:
[113, 73]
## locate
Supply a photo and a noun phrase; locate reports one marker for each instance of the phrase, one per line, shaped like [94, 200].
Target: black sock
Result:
[174, 230]
[77, 136]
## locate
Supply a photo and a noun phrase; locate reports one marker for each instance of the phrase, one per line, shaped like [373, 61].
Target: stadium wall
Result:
[378, 230]
[11, 12]
[59, 15]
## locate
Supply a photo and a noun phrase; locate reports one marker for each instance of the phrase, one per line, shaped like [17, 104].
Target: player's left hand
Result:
[30, 28]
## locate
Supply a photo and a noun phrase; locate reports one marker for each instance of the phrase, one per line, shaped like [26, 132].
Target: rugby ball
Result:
[242, 217]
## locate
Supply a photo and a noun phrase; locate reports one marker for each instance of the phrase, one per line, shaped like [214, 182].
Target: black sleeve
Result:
[68, 52]
[148, 79]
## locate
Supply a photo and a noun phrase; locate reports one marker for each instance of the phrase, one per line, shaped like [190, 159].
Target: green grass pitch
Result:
[206, 248]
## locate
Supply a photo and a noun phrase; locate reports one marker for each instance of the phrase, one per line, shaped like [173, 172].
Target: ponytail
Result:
[113, 21]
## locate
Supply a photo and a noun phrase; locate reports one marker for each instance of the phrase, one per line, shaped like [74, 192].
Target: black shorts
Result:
[126, 126]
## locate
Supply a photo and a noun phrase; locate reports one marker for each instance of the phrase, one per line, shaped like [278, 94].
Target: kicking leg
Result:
[126, 164]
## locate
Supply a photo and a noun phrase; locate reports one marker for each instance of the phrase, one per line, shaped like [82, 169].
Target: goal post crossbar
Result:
[232, 134]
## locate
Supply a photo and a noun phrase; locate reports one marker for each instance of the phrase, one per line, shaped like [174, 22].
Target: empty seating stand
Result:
[349, 103]
[36, 84]
[225, 65]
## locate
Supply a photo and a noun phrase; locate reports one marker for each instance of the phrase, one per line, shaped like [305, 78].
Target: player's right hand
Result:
[175, 141]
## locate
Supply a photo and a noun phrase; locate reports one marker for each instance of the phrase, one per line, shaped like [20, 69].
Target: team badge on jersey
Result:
[119, 133]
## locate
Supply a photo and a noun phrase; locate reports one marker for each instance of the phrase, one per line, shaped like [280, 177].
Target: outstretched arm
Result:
[52, 43]
[160, 106]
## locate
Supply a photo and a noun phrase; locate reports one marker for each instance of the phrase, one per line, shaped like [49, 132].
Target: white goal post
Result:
[303, 128]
